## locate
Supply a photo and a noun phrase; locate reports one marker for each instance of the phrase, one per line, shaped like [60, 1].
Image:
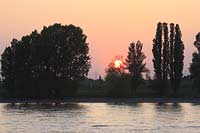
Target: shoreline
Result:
[104, 100]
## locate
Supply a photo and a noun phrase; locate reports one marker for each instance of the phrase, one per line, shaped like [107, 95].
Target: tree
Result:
[171, 66]
[165, 61]
[116, 70]
[178, 57]
[195, 65]
[47, 64]
[157, 54]
[135, 64]
[195, 71]
[70, 50]
[117, 78]
[7, 70]
[197, 42]
[170, 60]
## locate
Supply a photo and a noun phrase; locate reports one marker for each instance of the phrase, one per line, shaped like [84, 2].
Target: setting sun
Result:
[99, 66]
[118, 63]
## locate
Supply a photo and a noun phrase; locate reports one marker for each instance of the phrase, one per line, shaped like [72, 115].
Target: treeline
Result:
[168, 52]
[168, 63]
[54, 63]
[48, 64]
[195, 65]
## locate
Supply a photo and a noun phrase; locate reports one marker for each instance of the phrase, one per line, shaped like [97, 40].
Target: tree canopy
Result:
[45, 64]
[195, 65]
[135, 64]
[168, 55]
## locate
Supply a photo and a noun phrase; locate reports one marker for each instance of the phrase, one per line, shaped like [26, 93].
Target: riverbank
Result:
[104, 100]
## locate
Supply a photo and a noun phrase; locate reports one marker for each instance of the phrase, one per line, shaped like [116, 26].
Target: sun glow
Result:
[118, 63]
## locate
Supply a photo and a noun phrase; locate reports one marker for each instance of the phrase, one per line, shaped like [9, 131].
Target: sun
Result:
[118, 63]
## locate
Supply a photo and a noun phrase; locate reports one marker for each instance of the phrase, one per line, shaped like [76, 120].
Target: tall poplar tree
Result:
[157, 52]
[165, 62]
[171, 72]
[178, 57]
[168, 55]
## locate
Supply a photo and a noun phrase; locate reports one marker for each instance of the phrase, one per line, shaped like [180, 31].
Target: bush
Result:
[118, 85]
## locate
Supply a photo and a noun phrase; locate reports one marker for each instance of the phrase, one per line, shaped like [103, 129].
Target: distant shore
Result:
[104, 100]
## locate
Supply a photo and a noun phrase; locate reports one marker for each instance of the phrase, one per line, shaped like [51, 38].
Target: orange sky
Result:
[109, 24]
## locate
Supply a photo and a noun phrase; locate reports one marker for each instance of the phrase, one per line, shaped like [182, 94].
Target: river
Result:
[100, 118]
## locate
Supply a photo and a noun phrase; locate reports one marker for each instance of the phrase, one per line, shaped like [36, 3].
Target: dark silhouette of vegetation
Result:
[171, 57]
[112, 69]
[118, 85]
[47, 64]
[157, 53]
[7, 70]
[55, 62]
[117, 79]
[168, 56]
[195, 65]
[135, 64]
[165, 61]
[123, 83]
[178, 55]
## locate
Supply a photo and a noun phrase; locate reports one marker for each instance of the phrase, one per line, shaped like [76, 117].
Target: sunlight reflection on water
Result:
[100, 117]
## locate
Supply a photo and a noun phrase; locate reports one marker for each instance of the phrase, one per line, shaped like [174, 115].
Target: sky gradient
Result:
[110, 25]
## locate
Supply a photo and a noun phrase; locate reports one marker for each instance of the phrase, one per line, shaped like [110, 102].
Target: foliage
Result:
[171, 57]
[168, 56]
[165, 61]
[157, 53]
[157, 57]
[118, 85]
[46, 64]
[117, 79]
[178, 57]
[135, 64]
[7, 70]
[195, 65]
[195, 70]
[197, 42]
[116, 70]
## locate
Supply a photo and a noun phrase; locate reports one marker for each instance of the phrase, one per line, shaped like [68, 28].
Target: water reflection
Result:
[41, 117]
[195, 104]
[123, 104]
[168, 107]
[100, 117]
[50, 106]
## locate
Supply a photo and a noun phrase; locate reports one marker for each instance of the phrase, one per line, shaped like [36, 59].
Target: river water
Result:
[100, 118]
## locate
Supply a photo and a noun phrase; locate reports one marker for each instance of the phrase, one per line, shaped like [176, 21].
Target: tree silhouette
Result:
[47, 64]
[197, 42]
[171, 72]
[165, 62]
[135, 64]
[117, 79]
[170, 60]
[111, 69]
[195, 65]
[157, 54]
[194, 70]
[70, 58]
[178, 57]
[7, 72]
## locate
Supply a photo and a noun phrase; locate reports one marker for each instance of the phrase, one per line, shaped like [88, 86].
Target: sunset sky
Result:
[111, 25]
